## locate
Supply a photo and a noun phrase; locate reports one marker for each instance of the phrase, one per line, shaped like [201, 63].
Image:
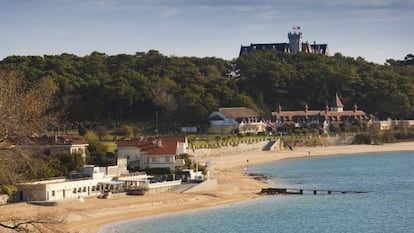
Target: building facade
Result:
[295, 45]
[332, 114]
[147, 153]
[236, 120]
[55, 145]
[91, 182]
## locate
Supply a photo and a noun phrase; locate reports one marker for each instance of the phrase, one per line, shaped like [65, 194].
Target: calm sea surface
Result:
[387, 207]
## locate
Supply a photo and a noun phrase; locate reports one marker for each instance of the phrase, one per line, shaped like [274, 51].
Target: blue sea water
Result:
[388, 205]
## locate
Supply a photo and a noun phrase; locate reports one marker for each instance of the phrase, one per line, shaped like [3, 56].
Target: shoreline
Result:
[234, 185]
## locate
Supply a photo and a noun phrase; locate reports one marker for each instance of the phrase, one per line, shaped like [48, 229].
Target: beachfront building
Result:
[295, 45]
[148, 153]
[60, 189]
[236, 120]
[332, 114]
[92, 181]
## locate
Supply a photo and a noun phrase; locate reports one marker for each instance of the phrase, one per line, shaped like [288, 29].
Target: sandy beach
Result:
[234, 185]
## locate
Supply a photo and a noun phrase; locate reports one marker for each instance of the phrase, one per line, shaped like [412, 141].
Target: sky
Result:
[376, 30]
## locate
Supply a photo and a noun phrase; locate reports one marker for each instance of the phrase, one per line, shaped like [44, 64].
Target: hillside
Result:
[184, 90]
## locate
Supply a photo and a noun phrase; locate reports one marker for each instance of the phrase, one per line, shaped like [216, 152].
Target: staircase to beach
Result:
[272, 145]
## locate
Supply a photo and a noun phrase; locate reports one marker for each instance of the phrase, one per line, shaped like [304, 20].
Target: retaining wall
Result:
[240, 148]
[163, 187]
[207, 185]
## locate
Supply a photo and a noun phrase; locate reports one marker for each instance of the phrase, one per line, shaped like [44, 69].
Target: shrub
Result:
[388, 137]
[125, 130]
[8, 189]
[362, 138]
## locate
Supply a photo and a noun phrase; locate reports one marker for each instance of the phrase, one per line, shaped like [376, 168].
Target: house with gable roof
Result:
[332, 114]
[236, 120]
[147, 153]
[71, 144]
[54, 145]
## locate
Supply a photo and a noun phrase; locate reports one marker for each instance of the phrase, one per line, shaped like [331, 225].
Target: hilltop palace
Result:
[295, 45]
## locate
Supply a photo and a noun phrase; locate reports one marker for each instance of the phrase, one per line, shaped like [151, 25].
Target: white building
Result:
[60, 189]
[236, 120]
[153, 152]
[94, 180]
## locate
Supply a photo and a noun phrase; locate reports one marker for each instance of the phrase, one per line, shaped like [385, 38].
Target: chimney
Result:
[159, 143]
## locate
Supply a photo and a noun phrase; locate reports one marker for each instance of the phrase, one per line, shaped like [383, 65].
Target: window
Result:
[93, 188]
[84, 189]
[79, 189]
[153, 160]
[74, 190]
[53, 193]
[167, 159]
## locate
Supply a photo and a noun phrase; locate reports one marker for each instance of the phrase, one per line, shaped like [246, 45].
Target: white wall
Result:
[61, 190]
[158, 161]
[240, 148]
[182, 147]
[133, 155]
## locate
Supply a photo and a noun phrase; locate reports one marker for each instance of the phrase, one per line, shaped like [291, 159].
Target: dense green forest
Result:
[184, 90]
[180, 91]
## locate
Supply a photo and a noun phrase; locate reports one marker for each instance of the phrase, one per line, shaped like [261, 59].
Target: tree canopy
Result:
[184, 90]
[25, 107]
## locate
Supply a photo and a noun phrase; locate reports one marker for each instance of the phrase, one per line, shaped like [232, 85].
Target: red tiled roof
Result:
[173, 138]
[127, 143]
[345, 113]
[238, 112]
[166, 145]
[289, 115]
[295, 113]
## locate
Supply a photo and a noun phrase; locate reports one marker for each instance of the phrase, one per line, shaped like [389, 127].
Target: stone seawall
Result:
[163, 187]
[208, 185]
[259, 145]
[223, 150]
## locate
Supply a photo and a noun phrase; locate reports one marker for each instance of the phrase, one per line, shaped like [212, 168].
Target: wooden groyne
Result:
[274, 191]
